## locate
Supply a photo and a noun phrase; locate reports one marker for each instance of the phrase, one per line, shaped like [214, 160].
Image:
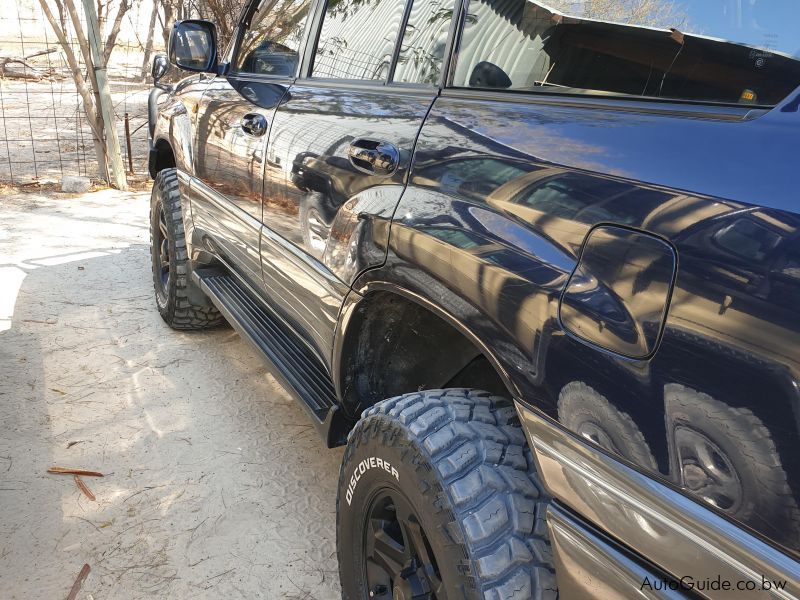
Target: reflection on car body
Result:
[595, 218]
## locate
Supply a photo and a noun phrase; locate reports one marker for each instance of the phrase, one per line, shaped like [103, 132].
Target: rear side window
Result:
[424, 41]
[704, 50]
[271, 44]
[357, 39]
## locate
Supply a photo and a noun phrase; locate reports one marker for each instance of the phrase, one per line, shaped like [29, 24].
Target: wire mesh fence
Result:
[44, 132]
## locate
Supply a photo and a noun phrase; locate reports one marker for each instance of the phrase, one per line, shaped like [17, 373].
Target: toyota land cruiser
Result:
[538, 267]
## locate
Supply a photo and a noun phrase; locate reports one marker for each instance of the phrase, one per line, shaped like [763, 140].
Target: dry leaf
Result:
[84, 488]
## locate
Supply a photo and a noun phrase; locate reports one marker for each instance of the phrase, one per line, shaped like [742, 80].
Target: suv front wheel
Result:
[170, 261]
[439, 498]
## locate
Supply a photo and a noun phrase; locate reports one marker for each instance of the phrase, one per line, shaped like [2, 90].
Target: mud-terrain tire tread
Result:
[488, 482]
[177, 310]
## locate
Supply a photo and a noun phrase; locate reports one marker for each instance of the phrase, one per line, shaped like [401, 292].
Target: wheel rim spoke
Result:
[161, 242]
[397, 551]
[415, 538]
[384, 551]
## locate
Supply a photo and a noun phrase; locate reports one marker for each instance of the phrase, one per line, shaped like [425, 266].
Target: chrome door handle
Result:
[373, 157]
[254, 124]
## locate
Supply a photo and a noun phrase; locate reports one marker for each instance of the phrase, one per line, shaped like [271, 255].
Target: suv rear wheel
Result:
[170, 261]
[439, 498]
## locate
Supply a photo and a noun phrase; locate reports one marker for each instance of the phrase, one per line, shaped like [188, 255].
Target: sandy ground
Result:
[216, 484]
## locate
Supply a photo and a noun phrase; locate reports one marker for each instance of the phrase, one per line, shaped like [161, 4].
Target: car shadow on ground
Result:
[216, 484]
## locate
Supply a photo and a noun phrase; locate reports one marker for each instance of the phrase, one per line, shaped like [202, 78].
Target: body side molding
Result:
[674, 532]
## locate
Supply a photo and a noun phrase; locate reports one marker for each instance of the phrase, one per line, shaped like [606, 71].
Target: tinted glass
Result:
[708, 50]
[357, 39]
[271, 44]
[424, 40]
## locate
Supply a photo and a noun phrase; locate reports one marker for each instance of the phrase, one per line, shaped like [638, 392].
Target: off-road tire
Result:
[464, 465]
[172, 300]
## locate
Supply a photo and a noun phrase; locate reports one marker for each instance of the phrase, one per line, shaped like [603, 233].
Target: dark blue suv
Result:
[537, 266]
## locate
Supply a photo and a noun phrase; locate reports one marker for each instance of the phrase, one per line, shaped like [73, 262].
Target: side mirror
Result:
[193, 46]
[160, 66]
[489, 75]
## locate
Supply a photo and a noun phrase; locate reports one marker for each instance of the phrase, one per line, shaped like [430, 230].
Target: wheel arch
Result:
[386, 321]
[162, 156]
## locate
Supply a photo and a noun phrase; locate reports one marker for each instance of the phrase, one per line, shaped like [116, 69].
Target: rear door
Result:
[340, 150]
[611, 209]
[233, 123]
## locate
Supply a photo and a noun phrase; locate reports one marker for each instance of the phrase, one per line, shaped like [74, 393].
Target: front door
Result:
[234, 118]
[340, 150]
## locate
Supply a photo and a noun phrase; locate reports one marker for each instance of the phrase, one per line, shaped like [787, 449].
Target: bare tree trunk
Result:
[83, 42]
[148, 48]
[106, 106]
[83, 90]
[87, 84]
[62, 17]
[101, 15]
[169, 19]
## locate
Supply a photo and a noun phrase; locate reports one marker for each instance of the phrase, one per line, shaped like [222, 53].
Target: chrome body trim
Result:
[658, 523]
[589, 566]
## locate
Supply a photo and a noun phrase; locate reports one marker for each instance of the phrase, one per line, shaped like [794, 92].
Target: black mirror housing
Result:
[193, 46]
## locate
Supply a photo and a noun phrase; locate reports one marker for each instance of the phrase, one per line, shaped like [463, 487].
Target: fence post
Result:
[107, 108]
[128, 143]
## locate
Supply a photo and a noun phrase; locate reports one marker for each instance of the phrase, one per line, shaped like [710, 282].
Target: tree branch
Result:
[124, 6]
[81, 86]
[77, 75]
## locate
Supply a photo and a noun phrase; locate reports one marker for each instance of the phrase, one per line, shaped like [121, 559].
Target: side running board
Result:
[297, 368]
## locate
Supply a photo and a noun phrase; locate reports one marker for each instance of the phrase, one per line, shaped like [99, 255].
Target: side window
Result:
[357, 39]
[270, 46]
[690, 50]
[424, 41]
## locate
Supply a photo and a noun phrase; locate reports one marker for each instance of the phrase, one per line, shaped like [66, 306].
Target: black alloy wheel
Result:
[169, 259]
[439, 499]
[400, 563]
[162, 256]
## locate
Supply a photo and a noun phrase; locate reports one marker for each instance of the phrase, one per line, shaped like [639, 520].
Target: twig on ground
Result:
[76, 587]
[96, 528]
[71, 471]
[84, 488]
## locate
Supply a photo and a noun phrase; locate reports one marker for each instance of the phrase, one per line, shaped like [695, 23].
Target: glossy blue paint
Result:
[682, 361]
[715, 410]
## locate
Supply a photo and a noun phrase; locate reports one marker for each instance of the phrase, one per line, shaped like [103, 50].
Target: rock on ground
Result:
[216, 484]
[75, 185]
